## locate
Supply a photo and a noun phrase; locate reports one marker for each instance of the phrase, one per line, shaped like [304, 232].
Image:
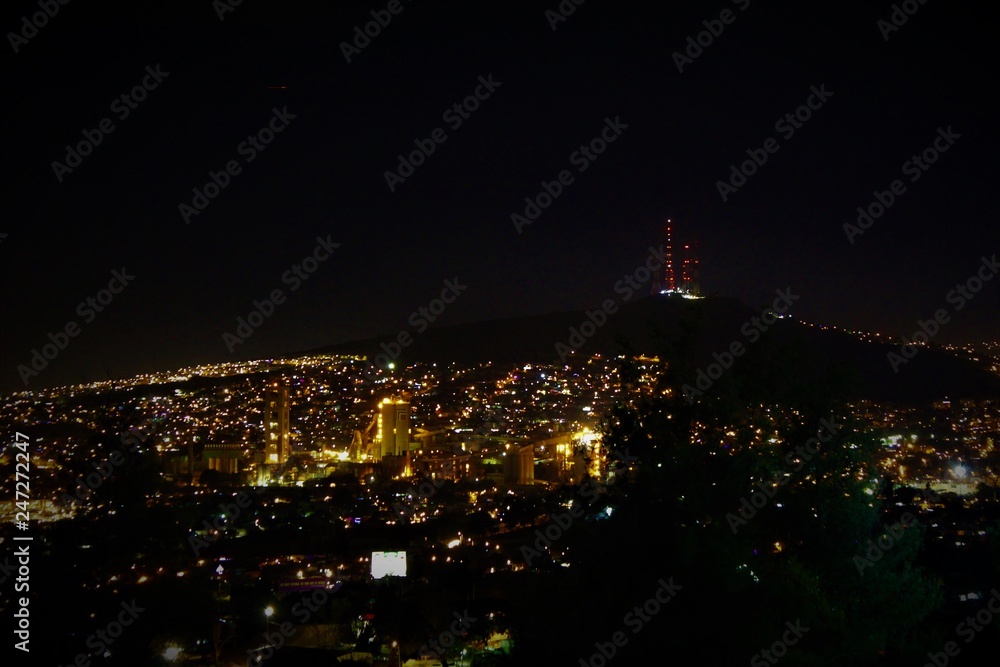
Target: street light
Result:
[269, 612]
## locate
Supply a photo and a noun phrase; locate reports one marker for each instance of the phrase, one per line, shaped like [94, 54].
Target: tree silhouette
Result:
[803, 548]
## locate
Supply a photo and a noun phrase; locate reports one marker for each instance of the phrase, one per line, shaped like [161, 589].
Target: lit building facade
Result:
[393, 435]
[224, 458]
[277, 428]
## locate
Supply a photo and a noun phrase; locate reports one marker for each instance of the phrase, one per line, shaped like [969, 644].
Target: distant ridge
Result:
[932, 374]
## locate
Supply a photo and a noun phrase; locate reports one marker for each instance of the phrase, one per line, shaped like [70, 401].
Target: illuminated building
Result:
[224, 458]
[277, 431]
[393, 435]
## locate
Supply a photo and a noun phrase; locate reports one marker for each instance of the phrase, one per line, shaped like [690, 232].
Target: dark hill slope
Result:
[710, 325]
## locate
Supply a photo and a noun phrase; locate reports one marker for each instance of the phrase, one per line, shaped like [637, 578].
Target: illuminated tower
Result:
[278, 445]
[689, 269]
[680, 274]
[669, 283]
[393, 436]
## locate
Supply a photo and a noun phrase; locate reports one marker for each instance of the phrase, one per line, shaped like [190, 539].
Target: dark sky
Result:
[324, 174]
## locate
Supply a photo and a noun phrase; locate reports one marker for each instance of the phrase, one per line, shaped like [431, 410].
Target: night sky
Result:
[323, 175]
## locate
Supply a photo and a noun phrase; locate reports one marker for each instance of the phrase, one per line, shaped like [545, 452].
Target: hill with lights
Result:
[703, 329]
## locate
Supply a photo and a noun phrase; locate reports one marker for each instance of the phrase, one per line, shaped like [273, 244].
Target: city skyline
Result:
[424, 334]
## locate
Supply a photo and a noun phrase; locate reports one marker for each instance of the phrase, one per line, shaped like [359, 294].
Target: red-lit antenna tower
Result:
[685, 263]
[670, 283]
[689, 268]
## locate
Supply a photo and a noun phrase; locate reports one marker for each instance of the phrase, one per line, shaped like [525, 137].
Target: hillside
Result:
[643, 326]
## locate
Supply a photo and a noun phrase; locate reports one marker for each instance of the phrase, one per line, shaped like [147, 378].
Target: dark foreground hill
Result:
[710, 326]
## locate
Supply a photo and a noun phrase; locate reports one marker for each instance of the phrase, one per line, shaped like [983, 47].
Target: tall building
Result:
[393, 435]
[277, 428]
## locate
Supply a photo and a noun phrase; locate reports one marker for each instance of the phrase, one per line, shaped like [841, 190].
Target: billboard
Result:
[306, 584]
[388, 564]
